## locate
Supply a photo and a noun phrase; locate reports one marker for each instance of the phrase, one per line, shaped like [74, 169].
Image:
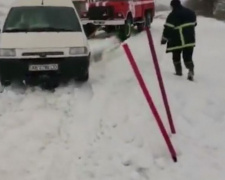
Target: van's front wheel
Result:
[89, 30]
[4, 81]
[83, 76]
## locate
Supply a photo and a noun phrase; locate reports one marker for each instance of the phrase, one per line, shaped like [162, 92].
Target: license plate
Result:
[99, 22]
[44, 67]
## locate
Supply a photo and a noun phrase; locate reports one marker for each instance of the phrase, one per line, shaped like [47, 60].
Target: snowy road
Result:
[103, 130]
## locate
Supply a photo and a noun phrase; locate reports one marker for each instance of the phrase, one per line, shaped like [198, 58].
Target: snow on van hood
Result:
[42, 40]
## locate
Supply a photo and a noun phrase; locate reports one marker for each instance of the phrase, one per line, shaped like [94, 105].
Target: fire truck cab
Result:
[118, 15]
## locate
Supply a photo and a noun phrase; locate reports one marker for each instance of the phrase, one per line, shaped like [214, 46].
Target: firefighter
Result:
[179, 35]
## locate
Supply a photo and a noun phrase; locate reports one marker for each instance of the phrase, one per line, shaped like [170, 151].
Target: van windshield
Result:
[42, 19]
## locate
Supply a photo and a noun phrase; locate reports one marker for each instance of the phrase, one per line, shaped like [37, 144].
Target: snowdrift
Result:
[104, 130]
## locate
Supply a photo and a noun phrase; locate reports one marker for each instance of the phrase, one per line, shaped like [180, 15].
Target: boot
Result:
[178, 70]
[190, 75]
[178, 73]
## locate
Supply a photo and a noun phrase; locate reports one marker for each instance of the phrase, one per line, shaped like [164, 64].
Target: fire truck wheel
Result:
[147, 22]
[148, 19]
[125, 30]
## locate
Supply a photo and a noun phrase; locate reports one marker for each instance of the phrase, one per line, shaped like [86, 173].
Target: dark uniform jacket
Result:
[179, 29]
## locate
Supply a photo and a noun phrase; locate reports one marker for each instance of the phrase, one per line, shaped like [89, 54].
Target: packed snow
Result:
[104, 129]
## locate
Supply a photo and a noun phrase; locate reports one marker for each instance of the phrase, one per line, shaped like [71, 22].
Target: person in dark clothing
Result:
[179, 35]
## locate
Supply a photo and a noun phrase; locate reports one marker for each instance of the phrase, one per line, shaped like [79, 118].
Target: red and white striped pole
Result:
[150, 101]
[160, 80]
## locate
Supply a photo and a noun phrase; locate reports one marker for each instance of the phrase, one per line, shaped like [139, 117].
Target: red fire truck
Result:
[117, 15]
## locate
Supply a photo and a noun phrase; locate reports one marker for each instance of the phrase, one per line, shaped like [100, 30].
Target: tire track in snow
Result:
[74, 129]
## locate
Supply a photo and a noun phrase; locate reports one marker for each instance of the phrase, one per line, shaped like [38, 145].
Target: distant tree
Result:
[219, 9]
[214, 8]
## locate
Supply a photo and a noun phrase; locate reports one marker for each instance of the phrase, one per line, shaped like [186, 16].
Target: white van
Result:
[43, 37]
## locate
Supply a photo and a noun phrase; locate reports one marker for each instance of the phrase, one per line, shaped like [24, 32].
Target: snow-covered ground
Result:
[103, 130]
